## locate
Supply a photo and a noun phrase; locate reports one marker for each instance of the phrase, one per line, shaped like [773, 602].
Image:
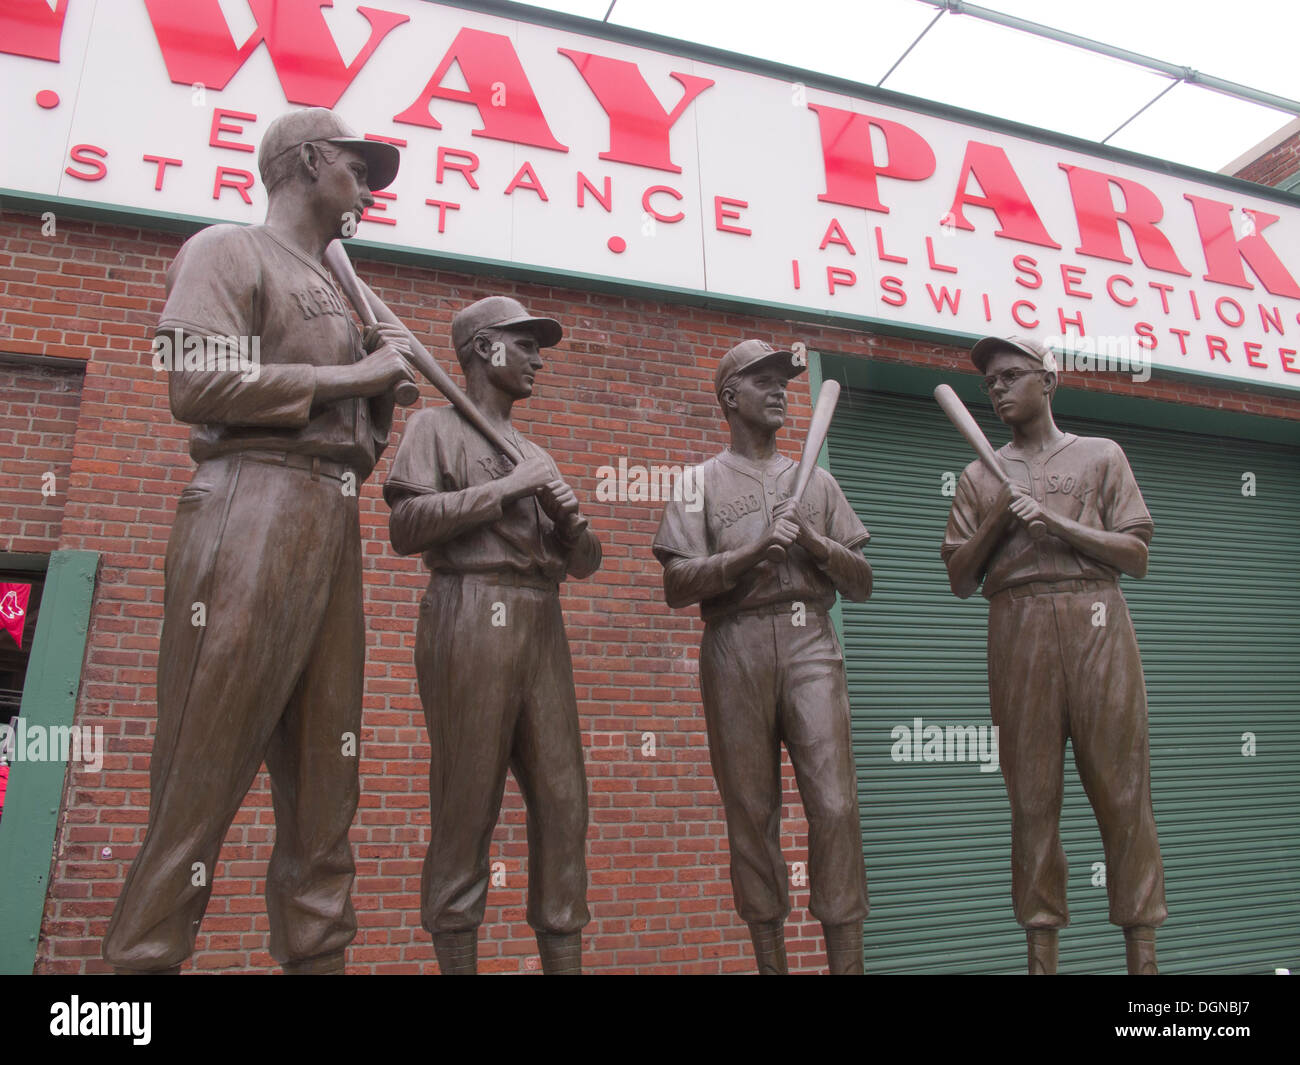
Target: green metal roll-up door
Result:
[1218, 620]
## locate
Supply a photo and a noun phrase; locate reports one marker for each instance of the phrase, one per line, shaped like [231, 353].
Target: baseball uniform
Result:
[1059, 626]
[263, 643]
[771, 671]
[494, 672]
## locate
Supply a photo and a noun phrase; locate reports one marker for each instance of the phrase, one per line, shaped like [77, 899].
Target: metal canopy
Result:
[1198, 82]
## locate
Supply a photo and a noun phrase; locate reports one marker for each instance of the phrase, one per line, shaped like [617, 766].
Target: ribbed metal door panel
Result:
[1218, 620]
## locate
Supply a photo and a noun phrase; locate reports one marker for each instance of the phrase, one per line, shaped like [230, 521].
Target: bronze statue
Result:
[771, 670]
[1063, 657]
[263, 643]
[491, 656]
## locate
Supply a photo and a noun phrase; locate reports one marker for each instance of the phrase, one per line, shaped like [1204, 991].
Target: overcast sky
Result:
[999, 71]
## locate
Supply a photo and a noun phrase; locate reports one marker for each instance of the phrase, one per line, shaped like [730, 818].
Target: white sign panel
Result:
[568, 154]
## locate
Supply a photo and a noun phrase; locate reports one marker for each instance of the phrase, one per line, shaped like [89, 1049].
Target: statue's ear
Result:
[482, 346]
[310, 158]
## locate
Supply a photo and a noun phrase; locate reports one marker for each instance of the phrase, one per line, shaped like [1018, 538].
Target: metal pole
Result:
[909, 49]
[1187, 74]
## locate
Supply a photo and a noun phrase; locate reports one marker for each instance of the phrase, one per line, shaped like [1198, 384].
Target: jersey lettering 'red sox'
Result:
[1086, 479]
[739, 497]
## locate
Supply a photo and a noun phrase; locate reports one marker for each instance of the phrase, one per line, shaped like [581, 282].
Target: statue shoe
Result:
[768, 938]
[457, 952]
[1140, 950]
[1042, 951]
[844, 949]
[561, 953]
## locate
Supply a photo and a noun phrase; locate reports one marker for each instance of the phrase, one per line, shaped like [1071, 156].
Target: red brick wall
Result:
[1275, 165]
[38, 421]
[632, 377]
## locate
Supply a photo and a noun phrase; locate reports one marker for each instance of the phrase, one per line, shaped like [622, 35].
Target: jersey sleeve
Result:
[1122, 507]
[963, 518]
[842, 523]
[682, 530]
[213, 290]
[424, 512]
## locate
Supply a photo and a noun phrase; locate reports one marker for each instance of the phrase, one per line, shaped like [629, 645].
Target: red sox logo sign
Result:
[13, 609]
[9, 607]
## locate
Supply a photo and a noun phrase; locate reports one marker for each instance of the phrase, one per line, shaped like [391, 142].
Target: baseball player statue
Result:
[1063, 658]
[491, 657]
[263, 640]
[771, 671]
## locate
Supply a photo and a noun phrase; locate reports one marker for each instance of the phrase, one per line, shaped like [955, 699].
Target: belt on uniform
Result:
[782, 608]
[1022, 591]
[507, 578]
[318, 467]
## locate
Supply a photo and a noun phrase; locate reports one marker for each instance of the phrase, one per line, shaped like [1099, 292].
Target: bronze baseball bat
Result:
[969, 428]
[336, 258]
[817, 430]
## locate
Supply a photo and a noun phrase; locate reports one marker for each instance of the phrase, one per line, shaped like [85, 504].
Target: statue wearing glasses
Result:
[1063, 658]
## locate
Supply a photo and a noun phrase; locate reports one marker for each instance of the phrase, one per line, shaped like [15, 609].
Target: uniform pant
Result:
[765, 681]
[496, 681]
[1064, 664]
[272, 555]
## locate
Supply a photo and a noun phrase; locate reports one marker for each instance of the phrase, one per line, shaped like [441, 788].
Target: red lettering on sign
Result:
[1182, 335]
[1065, 320]
[1099, 220]
[835, 235]
[1003, 194]
[893, 287]
[851, 169]
[219, 126]
[649, 208]
[1274, 319]
[465, 168]
[839, 277]
[163, 163]
[1225, 251]
[92, 156]
[443, 208]
[639, 126]
[885, 257]
[944, 298]
[198, 49]
[1285, 354]
[1146, 331]
[1110, 290]
[722, 210]
[1071, 276]
[1164, 291]
[31, 28]
[929, 251]
[1253, 349]
[498, 88]
[1218, 345]
[371, 213]
[1026, 265]
[606, 200]
[1239, 313]
[526, 178]
[1015, 314]
[229, 178]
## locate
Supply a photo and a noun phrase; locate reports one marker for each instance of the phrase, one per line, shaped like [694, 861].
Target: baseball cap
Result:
[501, 312]
[985, 349]
[322, 124]
[748, 355]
